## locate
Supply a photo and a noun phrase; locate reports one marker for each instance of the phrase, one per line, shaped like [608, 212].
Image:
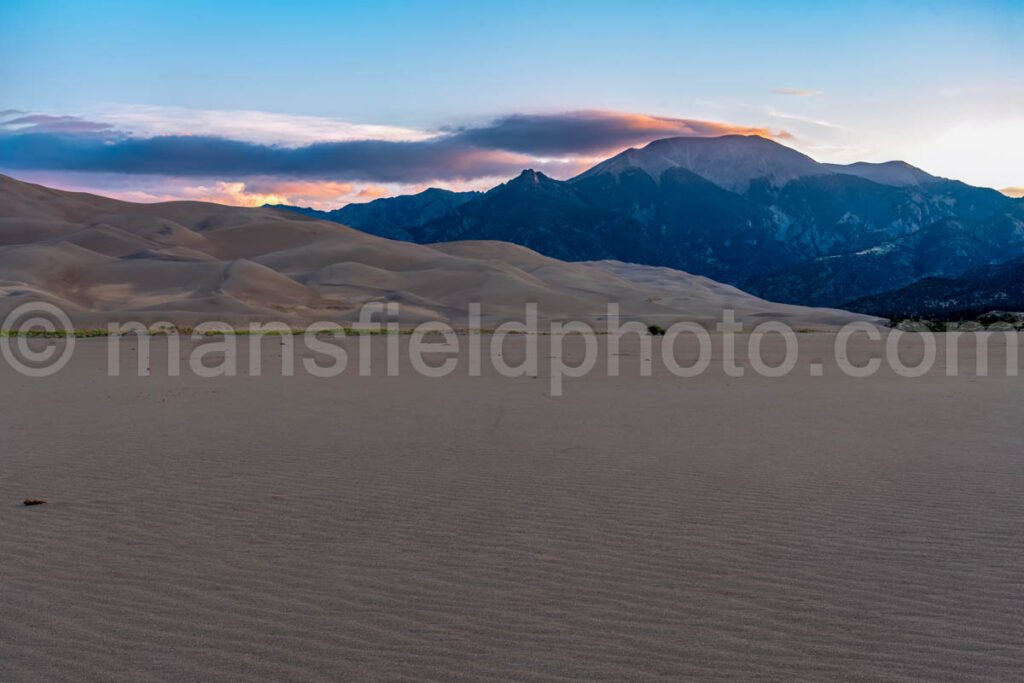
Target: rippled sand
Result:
[473, 529]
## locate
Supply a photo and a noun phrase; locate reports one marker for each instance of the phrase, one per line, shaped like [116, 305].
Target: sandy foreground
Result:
[477, 528]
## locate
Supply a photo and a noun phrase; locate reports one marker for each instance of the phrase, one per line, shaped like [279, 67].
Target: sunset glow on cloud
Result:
[253, 191]
[252, 158]
[322, 195]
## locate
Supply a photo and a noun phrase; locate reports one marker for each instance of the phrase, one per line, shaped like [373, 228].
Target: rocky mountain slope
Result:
[968, 297]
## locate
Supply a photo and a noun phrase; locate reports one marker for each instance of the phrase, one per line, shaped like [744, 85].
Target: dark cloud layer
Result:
[183, 155]
[589, 132]
[66, 143]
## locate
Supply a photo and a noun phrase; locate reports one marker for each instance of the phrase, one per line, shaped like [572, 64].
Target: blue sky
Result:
[936, 83]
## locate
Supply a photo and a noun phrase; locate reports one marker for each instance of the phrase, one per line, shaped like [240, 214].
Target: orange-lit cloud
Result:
[1015, 192]
[647, 124]
[373, 192]
[589, 132]
[323, 195]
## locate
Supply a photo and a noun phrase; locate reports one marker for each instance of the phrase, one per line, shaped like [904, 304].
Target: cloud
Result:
[260, 192]
[1016, 192]
[776, 114]
[588, 132]
[44, 123]
[255, 191]
[152, 154]
[268, 128]
[206, 156]
[796, 92]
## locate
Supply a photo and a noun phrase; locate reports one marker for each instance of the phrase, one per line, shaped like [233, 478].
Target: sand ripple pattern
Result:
[479, 530]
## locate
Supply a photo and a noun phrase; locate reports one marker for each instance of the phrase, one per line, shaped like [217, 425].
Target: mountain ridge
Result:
[741, 209]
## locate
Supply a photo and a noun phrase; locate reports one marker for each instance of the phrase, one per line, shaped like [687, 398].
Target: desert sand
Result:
[478, 529]
[103, 260]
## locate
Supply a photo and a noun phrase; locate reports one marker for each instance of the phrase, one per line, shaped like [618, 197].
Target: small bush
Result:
[656, 330]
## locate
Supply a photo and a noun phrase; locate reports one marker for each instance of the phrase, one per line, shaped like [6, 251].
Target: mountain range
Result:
[744, 210]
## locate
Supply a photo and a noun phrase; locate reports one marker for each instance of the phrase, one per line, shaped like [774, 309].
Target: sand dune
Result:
[185, 261]
[694, 291]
